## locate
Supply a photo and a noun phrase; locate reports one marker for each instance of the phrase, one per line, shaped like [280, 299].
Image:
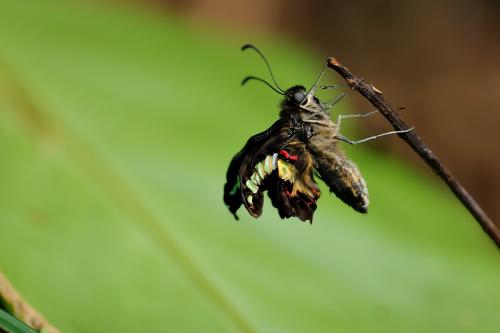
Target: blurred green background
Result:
[117, 124]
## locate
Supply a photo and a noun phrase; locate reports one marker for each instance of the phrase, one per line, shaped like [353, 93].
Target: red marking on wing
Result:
[288, 156]
[284, 153]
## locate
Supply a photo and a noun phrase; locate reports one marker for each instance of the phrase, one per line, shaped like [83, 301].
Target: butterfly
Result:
[286, 159]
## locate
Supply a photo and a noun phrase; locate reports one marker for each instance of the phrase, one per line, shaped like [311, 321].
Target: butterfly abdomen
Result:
[345, 180]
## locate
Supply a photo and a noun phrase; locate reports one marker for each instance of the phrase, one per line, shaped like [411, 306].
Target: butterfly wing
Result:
[297, 196]
[263, 165]
[242, 164]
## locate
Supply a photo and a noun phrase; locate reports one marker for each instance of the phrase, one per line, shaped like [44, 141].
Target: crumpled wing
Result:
[276, 161]
[243, 164]
[298, 196]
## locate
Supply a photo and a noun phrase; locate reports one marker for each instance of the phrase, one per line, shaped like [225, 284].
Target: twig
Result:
[375, 97]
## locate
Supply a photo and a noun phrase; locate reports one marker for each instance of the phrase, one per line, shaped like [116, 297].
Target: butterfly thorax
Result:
[309, 121]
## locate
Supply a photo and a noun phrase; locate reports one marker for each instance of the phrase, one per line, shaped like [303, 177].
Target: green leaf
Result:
[116, 128]
[12, 325]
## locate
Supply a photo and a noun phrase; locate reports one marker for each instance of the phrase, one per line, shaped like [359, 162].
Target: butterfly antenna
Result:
[248, 78]
[250, 46]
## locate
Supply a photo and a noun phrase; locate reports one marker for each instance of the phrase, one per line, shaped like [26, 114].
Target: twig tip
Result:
[334, 62]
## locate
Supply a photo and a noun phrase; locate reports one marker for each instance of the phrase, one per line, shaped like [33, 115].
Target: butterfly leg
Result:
[360, 115]
[351, 142]
[314, 87]
[316, 121]
[340, 117]
[333, 86]
[331, 103]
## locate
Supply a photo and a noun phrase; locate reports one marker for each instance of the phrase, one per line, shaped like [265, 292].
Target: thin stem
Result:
[13, 325]
[374, 96]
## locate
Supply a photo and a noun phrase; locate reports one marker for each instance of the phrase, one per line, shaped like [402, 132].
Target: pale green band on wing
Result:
[286, 171]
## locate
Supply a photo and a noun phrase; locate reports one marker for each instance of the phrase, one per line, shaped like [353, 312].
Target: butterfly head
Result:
[295, 95]
[299, 97]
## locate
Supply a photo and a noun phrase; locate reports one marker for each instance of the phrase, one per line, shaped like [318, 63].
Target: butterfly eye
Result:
[298, 97]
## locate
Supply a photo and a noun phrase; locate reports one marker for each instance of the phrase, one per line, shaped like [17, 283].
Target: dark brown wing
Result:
[258, 146]
[297, 197]
[262, 165]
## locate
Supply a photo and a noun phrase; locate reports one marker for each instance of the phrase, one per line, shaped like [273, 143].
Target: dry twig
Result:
[375, 97]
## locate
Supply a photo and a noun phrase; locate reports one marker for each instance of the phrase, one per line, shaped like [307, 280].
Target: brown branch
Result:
[375, 97]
